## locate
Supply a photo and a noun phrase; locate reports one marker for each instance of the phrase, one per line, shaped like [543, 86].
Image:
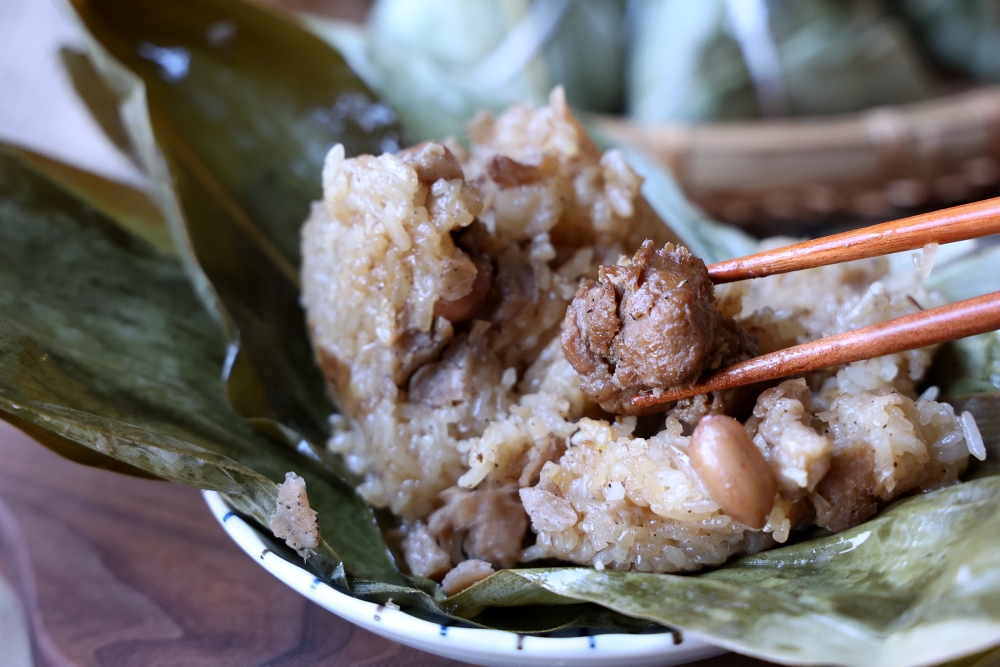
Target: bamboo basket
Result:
[809, 171]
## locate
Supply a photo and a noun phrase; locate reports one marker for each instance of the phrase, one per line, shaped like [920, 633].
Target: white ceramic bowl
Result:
[481, 647]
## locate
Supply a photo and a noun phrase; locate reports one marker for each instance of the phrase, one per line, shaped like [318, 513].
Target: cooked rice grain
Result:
[435, 283]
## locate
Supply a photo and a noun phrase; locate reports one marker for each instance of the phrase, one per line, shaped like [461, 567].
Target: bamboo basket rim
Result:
[810, 132]
[870, 163]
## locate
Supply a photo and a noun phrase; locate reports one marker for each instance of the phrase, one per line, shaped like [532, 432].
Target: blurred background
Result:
[779, 116]
[775, 115]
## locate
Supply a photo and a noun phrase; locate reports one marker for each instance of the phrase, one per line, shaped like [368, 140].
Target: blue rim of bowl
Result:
[489, 647]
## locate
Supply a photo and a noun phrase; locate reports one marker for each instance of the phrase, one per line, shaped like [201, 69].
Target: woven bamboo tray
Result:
[811, 170]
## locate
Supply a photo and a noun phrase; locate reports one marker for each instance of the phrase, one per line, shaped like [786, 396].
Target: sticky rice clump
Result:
[535, 204]
[628, 503]
[840, 442]
[435, 283]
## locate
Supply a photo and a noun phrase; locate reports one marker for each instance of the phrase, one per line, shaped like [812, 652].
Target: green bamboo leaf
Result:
[244, 106]
[74, 451]
[514, 607]
[129, 207]
[958, 35]
[104, 345]
[246, 97]
[916, 585]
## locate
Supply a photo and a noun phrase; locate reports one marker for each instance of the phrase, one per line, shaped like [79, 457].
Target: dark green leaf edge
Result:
[247, 391]
[127, 206]
[244, 257]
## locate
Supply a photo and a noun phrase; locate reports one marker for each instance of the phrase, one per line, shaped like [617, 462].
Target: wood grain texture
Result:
[127, 572]
[135, 572]
[13, 630]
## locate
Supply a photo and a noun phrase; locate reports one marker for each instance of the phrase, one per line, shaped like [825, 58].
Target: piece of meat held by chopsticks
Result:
[648, 322]
[927, 327]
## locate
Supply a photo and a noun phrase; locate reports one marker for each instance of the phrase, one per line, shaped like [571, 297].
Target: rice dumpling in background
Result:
[719, 59]
[960, 34]
[439, 62]
[775, 115]
[659, 61]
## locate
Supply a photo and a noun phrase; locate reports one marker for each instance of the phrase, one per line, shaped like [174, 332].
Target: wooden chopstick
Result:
[959, 223]
[928, 327]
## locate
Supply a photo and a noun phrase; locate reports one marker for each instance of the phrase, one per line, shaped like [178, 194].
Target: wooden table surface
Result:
[114, 571]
